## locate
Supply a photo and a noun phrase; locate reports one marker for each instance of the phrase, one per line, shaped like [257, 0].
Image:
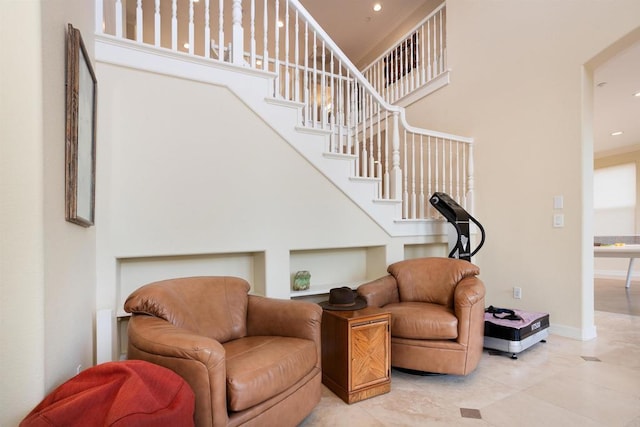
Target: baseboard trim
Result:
[582, 334]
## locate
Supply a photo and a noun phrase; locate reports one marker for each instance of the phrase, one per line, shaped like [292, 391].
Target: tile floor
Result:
[562, 382]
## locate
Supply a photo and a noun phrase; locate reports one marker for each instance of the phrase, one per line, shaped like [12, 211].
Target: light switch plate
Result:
[558, 220]
[558, 202]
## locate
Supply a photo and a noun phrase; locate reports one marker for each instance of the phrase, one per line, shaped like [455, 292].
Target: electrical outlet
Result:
[517, 292]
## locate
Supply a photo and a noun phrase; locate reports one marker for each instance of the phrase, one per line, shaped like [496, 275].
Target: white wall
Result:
[189, 174]
[21, 215]
[520, 88]
[47, 265]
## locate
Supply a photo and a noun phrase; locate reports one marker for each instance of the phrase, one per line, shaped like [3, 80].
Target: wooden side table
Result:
[356, 353]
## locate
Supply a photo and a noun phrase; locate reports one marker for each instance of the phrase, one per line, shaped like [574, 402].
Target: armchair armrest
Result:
[278, 317]
[380, 292]
[468, 292]
[469, 309]
[198, 359]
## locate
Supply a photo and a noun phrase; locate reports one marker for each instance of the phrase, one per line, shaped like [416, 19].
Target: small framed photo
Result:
[80, 173]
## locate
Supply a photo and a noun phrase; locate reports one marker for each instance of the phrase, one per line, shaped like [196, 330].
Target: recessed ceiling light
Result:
[377, 7]
[616, 133]
[637, 94]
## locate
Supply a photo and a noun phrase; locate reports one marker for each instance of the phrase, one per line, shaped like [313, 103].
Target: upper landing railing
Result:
[417, 59]
[281, 37]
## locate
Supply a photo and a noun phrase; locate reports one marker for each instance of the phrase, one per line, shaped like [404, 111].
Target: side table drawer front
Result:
[369, 353]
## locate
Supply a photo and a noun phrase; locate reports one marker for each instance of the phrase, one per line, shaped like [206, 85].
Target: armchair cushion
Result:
[430, 280]
[422, 321]
[276, 363]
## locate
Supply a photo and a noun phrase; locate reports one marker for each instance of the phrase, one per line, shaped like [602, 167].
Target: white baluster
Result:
[371, 170]
[386, 159]
[174, 25]
[287, 81]
[238, 33]
[340, 109]
[252, 58]
[396, 76]
[444, 166]
[435, 50]
[191, 28]
[423, 77]
[119, 18]
[356, 117]
[451, 191]
[349, 112]
[314, 98]
[402, 78]
[305, 77]
[396, 178]
[156, 24]
[139, 21]
[323, 89]
[441, 69]
[365, 164]
[470, 181]
[458, 196]
[437, 167]
[221, 31]
[265, 42]
[405, 172]
[296, 60]
[207, 31]
[413, 174]
[429, 172]
[379, 153]
[276, 49]
[429, 58]
[444, 39]
[331, 102]
[421, 194]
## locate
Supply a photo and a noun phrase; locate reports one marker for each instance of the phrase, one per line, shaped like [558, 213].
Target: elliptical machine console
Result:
[459, 218]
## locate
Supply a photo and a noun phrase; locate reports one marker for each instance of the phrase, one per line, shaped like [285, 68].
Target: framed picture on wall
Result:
[80, 156]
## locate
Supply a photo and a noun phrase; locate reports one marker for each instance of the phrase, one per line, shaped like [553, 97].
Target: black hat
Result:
[343, 299]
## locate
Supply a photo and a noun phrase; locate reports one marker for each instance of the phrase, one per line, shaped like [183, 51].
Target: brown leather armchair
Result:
[250, 360]
[437, 313]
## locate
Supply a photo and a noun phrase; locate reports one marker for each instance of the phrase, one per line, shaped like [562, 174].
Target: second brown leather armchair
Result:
[437, 313]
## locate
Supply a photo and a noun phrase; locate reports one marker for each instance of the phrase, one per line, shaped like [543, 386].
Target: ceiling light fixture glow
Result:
[377, 7]
[616, 133]
[637, 94]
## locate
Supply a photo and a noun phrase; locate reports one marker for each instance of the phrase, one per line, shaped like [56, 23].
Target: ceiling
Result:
[615, 107]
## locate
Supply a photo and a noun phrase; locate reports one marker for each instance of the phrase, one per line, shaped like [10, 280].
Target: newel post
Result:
[396, 172]
[238, 33]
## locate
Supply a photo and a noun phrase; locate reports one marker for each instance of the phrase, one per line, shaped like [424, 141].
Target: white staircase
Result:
[410, 163]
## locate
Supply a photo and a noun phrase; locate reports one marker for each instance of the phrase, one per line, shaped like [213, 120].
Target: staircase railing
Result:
[419, 57]
[281, 37]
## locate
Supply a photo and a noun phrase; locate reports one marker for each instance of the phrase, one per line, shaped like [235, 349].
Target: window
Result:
[614, 200]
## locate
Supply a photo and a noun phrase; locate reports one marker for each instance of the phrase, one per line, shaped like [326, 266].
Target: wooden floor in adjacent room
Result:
[610, 295]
